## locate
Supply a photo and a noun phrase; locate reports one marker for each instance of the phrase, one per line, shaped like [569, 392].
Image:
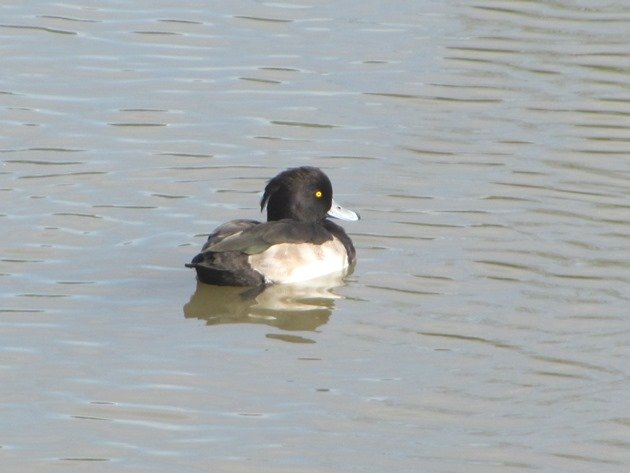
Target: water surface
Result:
[486, 147]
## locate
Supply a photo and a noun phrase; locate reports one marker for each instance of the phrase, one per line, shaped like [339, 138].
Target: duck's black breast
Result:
[338, 232]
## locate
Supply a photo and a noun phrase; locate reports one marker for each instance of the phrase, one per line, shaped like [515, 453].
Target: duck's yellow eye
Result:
[319, 194]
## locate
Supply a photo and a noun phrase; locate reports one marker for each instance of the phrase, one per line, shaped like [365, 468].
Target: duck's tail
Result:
[195, 261]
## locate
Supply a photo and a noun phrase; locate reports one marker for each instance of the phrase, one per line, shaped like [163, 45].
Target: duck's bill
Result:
[337, 211]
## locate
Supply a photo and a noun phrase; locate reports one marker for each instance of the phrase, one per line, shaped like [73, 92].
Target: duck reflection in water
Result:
[304, 306]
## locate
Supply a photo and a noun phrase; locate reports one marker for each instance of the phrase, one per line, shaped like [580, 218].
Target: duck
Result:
[297, 243]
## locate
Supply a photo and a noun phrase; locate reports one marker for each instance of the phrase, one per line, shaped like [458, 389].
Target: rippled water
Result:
[485, 145]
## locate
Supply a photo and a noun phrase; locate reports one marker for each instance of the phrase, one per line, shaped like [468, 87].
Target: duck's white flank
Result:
[291, 263]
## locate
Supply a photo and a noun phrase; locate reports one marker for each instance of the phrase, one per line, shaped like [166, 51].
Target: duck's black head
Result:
[303, 194]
